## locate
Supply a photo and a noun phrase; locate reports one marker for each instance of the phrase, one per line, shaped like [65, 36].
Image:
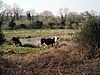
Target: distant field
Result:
[38, 33]
[64, 34]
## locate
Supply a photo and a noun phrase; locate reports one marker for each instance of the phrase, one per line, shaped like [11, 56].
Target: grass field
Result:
[66, 60]
[64, 34]
[38, 33]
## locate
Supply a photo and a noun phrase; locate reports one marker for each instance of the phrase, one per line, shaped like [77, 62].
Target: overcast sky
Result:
[54, 5]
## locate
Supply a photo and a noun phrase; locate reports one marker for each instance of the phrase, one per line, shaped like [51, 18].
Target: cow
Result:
[16, 41]
[49, 41]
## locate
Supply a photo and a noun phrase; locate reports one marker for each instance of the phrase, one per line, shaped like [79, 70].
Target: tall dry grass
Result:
[68, 60]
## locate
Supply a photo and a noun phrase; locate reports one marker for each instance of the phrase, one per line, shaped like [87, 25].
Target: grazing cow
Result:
[16, 41]
[49, 41]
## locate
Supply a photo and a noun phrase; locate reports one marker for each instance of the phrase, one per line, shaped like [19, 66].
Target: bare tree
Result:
[66, 11]
[8, 13]
[1, 21]
[47, 14]
[93, 12]
[72, 20]
[63, 14]
[63, 11]
[1, 4]
[87, 15]
[28, 15]
[17, 11]
[32, 13]
[1, 14]
[60, 11]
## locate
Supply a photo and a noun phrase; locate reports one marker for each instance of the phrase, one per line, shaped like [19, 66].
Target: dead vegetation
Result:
[68, 60]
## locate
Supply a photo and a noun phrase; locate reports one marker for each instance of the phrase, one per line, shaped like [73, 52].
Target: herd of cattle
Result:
[43, 41]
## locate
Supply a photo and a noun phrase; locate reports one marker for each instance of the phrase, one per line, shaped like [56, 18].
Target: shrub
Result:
[90, 33]
[37, 24]
[1, 34]
[53, 25]
[1, 38]
[17, 27]
[12, 24]
[22, 26]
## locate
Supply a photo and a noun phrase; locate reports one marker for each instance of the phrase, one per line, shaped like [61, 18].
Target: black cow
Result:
[49, 41]
[16, 41]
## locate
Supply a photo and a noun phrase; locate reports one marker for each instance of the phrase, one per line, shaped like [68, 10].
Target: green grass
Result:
[37, 33]
[19, 49]
[33, 33]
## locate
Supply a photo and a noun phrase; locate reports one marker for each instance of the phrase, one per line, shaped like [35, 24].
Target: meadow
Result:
[38, 32]
[64, 35]
[71, 59]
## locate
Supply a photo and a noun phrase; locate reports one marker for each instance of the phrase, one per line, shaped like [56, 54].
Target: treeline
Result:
[15, 18]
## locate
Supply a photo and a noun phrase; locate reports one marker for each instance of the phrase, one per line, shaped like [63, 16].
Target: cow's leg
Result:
[15, 42]
[20, 43]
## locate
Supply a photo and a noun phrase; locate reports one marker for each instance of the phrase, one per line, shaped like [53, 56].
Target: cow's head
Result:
[56, 38]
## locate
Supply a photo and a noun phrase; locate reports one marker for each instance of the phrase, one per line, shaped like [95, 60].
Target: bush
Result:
[37, 24]
[23, 26]
[1, 38]
[1, 34]
[12, 24]
[20, 26]
[52, 25]
[17, 27]
[90, 33]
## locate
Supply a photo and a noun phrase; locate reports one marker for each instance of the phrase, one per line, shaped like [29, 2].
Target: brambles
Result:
[90, 33]
[64, 61]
